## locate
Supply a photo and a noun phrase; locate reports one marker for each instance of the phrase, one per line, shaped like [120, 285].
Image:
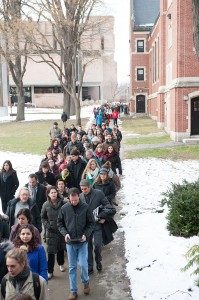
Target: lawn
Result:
[174, 153]
[144, 125]
[27, 137]
[152, 139]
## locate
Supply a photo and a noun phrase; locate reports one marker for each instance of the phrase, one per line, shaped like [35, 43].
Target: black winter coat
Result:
[4, 229]
[49, 179]
[40, 195]
[8, 188]
[76, 170]
[108, 228]
[35, 213]
[115, 163]
[108, 188]
[76, 221]
[77, 145]
[49, 215]
[4, 248]
[98, 204]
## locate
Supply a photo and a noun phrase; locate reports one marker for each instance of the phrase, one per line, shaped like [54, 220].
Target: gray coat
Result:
[100, 204]
[49, 214]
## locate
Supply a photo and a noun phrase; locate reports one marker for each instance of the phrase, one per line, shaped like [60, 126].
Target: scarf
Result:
[19, 280]
[5, 175]
[93, 174]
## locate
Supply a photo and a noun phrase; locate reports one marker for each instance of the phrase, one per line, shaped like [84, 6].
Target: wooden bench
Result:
[13, 114]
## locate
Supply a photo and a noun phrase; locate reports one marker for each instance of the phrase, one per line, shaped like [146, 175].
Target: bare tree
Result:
[68, 22]
[13, 46]
[195, 4]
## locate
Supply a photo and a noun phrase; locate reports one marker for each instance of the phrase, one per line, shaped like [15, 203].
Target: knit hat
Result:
[103, 171]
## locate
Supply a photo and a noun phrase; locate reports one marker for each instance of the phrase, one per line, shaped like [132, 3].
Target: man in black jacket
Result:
[76, 168]
[75, 223]
[102, 210]
[37, 190]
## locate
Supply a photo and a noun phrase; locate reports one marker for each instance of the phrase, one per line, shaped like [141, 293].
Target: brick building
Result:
[164, 65]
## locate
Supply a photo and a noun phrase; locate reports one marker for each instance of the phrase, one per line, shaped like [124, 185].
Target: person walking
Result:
[75, 223]
[27, 241]
[100, 207]
[37, 190]
[23, 218]
[54, 239]
[8, 184]
[20, 279]
[23, 201]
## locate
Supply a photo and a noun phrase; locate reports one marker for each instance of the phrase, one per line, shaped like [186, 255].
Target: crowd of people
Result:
[66, 206]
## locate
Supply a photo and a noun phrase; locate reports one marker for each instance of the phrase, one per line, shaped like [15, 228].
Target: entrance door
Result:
[140, 104]
[195, 116]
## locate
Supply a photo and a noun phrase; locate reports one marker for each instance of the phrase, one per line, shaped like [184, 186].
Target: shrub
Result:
[193, 261]
[183, 204]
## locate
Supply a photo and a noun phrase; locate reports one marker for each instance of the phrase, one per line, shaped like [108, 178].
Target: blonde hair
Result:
[19, 255]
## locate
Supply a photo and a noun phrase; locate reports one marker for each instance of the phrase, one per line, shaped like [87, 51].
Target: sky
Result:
[121, 11]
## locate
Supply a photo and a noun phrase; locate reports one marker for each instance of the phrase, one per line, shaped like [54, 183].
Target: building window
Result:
[169, 36]
[47, 90]
[102, 43]
[140, 74]
[140, 45]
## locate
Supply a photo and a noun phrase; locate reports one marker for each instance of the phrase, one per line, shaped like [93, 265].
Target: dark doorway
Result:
[140, 104]
[195, 116]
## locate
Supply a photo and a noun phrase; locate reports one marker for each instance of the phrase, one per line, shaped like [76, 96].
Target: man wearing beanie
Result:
[76, 168]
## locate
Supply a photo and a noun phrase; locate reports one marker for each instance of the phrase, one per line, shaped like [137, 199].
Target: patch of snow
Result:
[154, 257]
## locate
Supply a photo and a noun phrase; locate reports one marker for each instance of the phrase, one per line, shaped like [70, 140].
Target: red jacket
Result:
[115, 114]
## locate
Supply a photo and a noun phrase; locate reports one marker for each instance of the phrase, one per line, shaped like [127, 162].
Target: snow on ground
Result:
[154, 257]
[32, 114]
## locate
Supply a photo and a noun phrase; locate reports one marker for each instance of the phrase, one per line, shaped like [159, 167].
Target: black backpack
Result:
[36, 286]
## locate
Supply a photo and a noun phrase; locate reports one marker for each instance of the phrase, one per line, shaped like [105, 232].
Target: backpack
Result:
[36, 286]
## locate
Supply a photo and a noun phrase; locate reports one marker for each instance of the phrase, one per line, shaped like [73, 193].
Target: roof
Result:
[144, 12]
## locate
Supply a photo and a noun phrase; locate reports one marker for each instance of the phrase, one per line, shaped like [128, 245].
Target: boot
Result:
[86, 288]
[72, 296]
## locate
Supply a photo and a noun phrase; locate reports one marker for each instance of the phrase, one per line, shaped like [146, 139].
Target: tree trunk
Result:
[196, 24]
[77, 110]
[66, 103]
[21, 103]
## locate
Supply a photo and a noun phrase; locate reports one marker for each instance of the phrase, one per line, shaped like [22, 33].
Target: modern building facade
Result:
[41, 85]
[165, 66]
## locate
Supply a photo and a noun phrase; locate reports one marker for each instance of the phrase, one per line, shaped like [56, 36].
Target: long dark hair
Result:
[9, 163]
[32, 244]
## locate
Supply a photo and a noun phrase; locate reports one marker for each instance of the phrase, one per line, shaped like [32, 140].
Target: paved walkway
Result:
[152, 146]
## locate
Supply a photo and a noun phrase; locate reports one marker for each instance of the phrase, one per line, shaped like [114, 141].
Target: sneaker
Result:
[50, 275]
[72, 296]
[62, 268]
[99, 267]
[86, 288]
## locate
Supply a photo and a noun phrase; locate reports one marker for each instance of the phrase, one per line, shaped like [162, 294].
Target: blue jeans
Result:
[77, 254]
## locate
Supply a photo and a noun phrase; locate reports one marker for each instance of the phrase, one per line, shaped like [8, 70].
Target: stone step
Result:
[191, 141]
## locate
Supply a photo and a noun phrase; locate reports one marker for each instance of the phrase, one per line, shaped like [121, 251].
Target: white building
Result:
[42, 87]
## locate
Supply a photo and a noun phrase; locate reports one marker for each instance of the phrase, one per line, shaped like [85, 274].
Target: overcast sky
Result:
[121, 11]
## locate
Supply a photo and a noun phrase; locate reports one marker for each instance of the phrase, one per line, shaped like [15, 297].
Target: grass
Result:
[27, 137]
[174, 153]
[143, 125]
[147, 140]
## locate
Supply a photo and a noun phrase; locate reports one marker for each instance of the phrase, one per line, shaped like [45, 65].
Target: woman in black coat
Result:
[44, 175]
[8, 184]
[113, 157]
[105, 184]
[55, 241]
